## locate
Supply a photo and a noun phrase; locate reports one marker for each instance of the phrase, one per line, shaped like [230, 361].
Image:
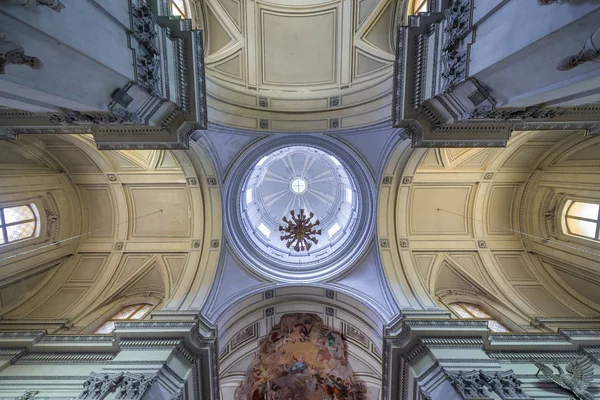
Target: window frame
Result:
[418, 6]
[491, 318]
[564, 217]
[3, 225]
[112, 316]
[182, 13]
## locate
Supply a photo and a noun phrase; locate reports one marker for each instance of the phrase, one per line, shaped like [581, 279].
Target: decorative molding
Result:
[407, 180]
[330, 294]
[479, 384]
[269, 294]
[404, 243]
[215, 243]
[98, 386]
[387, 180]
[192, 181]
[134, 386]
[482, 244]
[488, 176]
[212, 181]
[119, 246]
[508, 114]
[89, 118]
[457, 22]
[196, 244]
[384, 243]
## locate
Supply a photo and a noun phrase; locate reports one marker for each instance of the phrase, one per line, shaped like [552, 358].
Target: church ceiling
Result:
[291, 65]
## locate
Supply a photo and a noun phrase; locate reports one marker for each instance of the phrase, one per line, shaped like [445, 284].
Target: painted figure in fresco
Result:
[301, 359]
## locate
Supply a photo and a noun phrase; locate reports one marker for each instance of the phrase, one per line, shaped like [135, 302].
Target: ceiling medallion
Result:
[299, 231]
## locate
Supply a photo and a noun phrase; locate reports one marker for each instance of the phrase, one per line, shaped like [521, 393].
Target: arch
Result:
[473, 210]
[123, 202]
[242, 323]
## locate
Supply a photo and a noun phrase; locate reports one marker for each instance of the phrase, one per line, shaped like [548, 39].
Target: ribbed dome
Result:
[295, 178]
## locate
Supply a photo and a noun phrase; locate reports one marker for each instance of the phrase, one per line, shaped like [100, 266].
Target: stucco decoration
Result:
[579, 376]
[301, 359]
[12, 53]
[54, 5]
[590, 52]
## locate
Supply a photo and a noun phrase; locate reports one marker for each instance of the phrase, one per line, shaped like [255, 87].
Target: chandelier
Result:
[299, 231]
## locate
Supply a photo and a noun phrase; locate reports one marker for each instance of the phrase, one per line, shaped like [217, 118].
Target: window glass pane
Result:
[421, 6]
[16, 214]
[21, 231]
[581, 228]
[476, 311]
[460, 311]
[126, 312]
[106, 327]
[496, 326]
[142, 311]
[2, 240]
[584, 210]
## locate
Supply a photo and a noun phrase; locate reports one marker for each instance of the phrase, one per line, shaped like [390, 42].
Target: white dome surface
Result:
[294, 178]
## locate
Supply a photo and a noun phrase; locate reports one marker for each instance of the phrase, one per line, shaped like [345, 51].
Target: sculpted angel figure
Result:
[590, 52]
[578, 378]
[13, 53]
[54, 5]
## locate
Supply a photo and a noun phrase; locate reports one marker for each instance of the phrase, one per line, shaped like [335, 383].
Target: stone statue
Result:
[13, 53]
[579, 377]
[54, 5]
[547, 2]
[590, 52]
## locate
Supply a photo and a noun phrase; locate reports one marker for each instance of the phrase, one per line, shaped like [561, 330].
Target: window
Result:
[582, 219]
[418, 6]
[178, 8]
[129, 313]
[17, 223]
[467, 311]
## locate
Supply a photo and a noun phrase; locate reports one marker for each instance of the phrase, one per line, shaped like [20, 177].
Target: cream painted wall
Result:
[150, 226]
[450, 223]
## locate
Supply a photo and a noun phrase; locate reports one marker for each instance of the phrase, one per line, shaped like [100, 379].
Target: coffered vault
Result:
[261, 63]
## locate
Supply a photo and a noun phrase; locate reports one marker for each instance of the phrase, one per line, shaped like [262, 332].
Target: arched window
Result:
[583, 219]
[17, 223]
[129, 313]
[417, 6]
[179, 9]
[467, 311]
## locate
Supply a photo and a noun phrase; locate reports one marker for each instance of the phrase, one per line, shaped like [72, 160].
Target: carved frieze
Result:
[90, 118]
[487, 112]
[98, 386]
[144, 26]
[148, 73]
[455, 68]
[480, 384]
[457, 23]
[134, 386]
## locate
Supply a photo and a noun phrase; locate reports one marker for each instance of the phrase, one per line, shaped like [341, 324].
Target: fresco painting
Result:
[301, 359]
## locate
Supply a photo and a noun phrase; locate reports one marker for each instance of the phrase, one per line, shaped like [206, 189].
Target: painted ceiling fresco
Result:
[301, 359]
